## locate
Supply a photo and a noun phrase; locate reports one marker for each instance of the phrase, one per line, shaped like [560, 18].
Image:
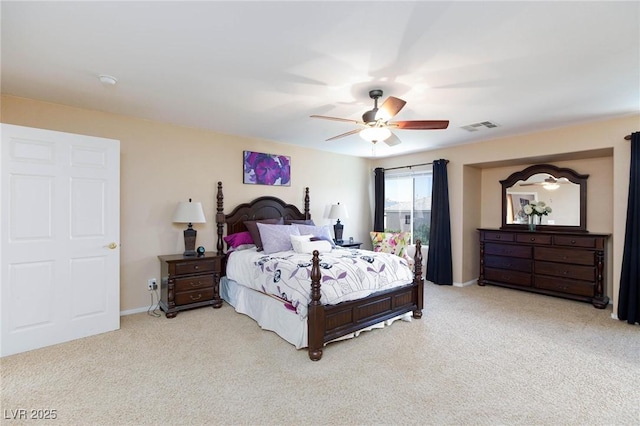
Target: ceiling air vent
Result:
[478, 126]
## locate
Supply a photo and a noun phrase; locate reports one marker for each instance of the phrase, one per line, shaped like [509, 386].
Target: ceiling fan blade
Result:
[392, 140]
[390, 108]
[346, 120]
[421, 124]
[344, 134]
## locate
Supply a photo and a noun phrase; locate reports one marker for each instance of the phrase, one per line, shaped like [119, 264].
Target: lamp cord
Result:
[153, 310]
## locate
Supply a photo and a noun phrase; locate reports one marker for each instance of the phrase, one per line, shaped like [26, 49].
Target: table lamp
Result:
[338, 211]
[189, 213]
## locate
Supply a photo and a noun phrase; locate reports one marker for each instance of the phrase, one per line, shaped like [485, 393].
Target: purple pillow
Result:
[299, 222]
[252, 227]
[238, 239]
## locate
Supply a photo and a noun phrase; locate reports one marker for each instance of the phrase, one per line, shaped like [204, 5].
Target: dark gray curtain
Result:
[378, 213]
[629, 296]
[439, 262]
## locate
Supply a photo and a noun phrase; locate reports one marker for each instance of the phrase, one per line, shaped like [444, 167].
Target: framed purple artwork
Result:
[266, 169]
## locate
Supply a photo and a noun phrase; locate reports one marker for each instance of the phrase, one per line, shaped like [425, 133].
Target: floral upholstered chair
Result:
[391, 242]
[398, 243]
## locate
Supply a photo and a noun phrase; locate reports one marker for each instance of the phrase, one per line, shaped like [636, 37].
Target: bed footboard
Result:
[328, 322]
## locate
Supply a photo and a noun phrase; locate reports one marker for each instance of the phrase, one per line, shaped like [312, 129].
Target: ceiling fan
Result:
[549, 182]
[375, 125]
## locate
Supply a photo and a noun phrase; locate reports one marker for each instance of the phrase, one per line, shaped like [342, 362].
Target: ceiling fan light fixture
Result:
[550, 186]
[375, 134]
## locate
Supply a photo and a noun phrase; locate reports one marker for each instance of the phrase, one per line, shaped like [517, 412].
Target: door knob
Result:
[113, 246]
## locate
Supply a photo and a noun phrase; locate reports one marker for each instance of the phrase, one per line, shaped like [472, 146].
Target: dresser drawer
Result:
[196, 266]
[533, 238]
[575, 241]
[508, 277]
[497, 236]
[578, 272]
[580, 257]
[510, 250]
[512, 263]
[194, 282]
[194, 296]
[580, 288]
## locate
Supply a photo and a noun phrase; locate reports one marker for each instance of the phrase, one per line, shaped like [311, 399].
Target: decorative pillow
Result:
[299, 221]
[391, 242]
[276, 238]
[238, 239]
[252, 227]
[309, 246]
[320, 232]
[298, 240]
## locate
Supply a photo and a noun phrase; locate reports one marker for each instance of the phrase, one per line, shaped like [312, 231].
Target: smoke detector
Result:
[107, 80]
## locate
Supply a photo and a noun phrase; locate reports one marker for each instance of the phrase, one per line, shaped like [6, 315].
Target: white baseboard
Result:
[133, 311]
[468, 283]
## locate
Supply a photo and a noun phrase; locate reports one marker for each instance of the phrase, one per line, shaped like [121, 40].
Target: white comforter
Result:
[347, 274]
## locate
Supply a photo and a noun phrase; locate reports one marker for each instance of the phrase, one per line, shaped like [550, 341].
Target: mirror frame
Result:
[556, 172]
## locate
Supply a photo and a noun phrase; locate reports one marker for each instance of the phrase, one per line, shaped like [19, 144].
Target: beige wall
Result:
[597, 148]
[162, 164]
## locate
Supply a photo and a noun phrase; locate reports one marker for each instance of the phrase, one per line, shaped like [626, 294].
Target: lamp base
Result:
[190, 241]
[337, 231]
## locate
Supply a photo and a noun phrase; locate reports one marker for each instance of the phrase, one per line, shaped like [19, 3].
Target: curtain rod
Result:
[413, 165]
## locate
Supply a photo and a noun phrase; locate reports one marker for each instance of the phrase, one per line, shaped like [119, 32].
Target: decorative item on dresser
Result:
[563, 264]
[189, 282]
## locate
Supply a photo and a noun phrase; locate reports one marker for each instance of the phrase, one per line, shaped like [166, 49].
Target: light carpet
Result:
[479, 356]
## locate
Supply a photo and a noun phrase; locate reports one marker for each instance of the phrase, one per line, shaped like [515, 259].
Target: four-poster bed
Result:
[323, 322]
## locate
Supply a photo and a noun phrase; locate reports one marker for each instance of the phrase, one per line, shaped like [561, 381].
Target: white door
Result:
[59, 237]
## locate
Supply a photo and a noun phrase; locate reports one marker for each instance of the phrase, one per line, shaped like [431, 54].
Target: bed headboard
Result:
[266, 207]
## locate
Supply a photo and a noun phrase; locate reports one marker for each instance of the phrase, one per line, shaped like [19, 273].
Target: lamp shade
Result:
[188, 212]
[338, 211]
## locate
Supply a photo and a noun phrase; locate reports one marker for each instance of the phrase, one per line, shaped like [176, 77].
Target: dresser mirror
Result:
[562, 189]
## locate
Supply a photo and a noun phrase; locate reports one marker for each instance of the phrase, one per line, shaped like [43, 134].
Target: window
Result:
[407, 206]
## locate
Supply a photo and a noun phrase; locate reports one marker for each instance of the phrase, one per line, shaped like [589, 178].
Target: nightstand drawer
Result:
[195, 282]
[194, 296]
[195, 266]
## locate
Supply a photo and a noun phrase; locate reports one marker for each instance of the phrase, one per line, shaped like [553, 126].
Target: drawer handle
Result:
[498, 237]
[195, 267]
[198, 284]
[533, 238]
[573, 241]
[196, 298]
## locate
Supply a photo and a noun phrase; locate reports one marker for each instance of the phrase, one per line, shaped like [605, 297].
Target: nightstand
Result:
[189, 282]
[349, 244]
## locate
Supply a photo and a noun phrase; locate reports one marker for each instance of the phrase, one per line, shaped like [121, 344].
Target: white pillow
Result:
[323, 232]
[297, 240]
[309, 246]
[276, 238]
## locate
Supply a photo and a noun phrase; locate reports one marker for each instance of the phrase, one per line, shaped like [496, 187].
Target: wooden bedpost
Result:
[307, 215]
[315, 318]
[417, 279]
[219, 219]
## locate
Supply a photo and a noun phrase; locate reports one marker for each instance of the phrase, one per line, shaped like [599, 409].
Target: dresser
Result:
[189, 282]
[563, 264]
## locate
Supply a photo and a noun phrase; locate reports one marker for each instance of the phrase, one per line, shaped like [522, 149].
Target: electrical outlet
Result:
[152, 284]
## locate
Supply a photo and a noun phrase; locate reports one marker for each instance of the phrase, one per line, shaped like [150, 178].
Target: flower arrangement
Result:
[538, 208]
[533, 209]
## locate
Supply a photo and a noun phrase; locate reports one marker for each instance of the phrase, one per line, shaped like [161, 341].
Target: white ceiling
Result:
[259, 69]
